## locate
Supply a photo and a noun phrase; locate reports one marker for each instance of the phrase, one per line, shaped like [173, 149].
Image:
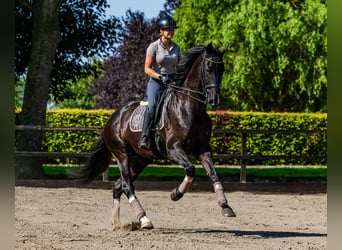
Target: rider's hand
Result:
[164, 79]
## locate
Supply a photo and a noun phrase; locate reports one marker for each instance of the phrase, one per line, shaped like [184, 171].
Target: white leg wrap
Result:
[144, 219]
[131, 198]
[135, 204]
[116, 213]
[184, 186]
[221, 198]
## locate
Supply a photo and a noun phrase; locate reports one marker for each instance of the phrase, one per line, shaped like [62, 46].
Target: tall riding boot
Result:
[144, 141]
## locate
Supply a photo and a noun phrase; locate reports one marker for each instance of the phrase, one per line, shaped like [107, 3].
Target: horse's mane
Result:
[185, 64]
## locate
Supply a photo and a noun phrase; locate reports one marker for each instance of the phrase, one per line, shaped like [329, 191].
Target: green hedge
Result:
[274, 144]
[271, 144]
[73, 141]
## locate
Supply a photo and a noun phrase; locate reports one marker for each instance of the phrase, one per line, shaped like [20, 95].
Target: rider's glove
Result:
[164, 79]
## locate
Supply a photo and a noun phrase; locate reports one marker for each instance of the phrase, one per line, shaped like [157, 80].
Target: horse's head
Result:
[211, 74]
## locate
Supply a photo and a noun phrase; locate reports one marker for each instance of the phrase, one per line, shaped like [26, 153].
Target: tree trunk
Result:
[45, 39]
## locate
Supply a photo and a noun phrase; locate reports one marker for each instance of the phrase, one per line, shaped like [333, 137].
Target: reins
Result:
[189, 92]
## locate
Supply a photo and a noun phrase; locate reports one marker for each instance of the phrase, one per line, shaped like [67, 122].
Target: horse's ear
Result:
[209, 47]
[223, 50]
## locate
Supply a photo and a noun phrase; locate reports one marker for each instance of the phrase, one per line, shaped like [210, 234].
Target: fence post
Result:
[105, 175]
[243, 160]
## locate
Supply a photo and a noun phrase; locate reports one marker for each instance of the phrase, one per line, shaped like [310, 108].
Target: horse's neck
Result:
[193, 82]
[188, 103]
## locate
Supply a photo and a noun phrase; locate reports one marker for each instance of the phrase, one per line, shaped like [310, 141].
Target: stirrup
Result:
[144, 143]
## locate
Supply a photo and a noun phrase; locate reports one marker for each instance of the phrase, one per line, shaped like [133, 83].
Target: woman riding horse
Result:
[161, 59]
[186, 132]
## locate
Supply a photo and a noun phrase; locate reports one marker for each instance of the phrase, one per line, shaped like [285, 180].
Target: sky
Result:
[151, 8]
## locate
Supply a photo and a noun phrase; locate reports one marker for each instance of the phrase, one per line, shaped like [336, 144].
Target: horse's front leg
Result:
[178, 155]
[207, 163]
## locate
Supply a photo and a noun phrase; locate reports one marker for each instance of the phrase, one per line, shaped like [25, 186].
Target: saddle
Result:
[160, 121]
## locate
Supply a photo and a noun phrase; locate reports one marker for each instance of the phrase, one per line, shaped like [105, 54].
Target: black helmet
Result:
[166, 22]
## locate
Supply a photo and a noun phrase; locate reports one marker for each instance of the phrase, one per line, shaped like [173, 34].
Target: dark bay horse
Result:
[186, 132]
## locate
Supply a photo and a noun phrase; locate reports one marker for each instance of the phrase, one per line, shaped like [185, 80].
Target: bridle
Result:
[192, 92]
[212, 85]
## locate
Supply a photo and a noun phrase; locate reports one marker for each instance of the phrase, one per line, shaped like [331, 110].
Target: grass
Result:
[162, 173]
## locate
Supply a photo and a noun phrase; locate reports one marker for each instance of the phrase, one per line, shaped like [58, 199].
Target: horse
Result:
[186, 133]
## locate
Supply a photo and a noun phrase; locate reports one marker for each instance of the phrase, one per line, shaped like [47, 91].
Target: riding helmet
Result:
[166, 22]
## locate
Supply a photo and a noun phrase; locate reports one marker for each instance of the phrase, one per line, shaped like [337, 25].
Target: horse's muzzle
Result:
[214, 100]
[213, 94]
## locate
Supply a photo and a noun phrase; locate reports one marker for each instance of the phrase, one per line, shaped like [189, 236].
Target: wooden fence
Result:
[243, 156]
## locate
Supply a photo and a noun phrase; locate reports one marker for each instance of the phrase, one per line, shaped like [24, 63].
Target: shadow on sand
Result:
[262, 234]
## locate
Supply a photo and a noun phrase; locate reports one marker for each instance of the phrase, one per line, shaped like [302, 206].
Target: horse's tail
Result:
[97, 163]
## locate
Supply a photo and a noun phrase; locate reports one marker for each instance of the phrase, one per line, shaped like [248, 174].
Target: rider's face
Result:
[168, 33]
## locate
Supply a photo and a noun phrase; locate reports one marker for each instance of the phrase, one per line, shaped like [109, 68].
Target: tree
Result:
[124, 78]
[85, 33]
[78, 95]
[45, 39]
[52, 36]
[277, 51]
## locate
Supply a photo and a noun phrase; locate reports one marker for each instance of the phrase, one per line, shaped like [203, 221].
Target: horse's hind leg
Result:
[127, 178]
[207, 163]
[117, 192]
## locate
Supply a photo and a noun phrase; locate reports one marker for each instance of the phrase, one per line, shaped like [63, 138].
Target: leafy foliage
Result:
[276, 59]
[271, 144]
[19, 93]
[77, 94]
[73, 141]
[277, 50]
[86, 33]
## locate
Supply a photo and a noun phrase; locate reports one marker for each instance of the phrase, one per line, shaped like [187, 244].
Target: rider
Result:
[161, 58]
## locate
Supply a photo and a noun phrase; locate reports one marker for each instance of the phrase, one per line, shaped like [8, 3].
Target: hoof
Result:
[116, 227]
[146, 223]
[176, 195]
[228, 212]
